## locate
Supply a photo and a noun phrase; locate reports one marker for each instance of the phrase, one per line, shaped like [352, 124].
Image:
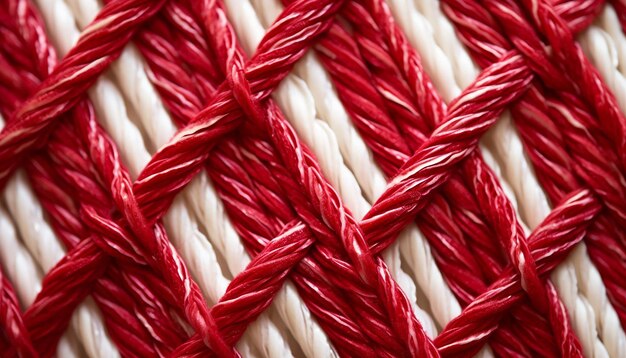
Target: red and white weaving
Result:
[315, 178]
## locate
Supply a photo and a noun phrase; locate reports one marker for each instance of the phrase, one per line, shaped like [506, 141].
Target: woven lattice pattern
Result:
[318, 178]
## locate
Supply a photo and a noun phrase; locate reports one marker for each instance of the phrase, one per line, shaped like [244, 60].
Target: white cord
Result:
[426, 27]
[605, 45]
[46, 250]
[17, 262]
[25, 276]
[69, 346]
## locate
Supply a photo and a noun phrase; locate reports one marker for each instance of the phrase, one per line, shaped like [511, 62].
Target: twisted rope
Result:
[305, 228]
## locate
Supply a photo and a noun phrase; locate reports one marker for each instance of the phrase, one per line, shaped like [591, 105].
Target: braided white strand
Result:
[17, 262]
[46, 250]
[606, 48]
[112, 115]
[609, 22]
[604, 44]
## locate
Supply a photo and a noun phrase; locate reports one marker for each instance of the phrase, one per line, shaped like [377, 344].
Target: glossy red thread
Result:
[303, 232]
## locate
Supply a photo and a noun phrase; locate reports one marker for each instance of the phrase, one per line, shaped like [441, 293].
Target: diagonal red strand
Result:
[549, 245]
[98, 46]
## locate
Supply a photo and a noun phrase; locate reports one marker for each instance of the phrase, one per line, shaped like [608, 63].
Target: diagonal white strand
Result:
[25, 275]
[444, 58]
[47, 250]
[39, 250]
[197, 251]
[311, 105]
[18, 263]
[69, 346]
[604, 43]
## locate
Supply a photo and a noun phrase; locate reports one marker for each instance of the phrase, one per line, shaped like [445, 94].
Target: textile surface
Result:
[313, 178]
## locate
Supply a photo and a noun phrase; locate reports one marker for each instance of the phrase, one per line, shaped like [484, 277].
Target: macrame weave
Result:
[334, 185]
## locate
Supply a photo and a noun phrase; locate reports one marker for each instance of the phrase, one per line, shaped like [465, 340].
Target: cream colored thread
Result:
[24, 274]
[605, 45]
[17, 262]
